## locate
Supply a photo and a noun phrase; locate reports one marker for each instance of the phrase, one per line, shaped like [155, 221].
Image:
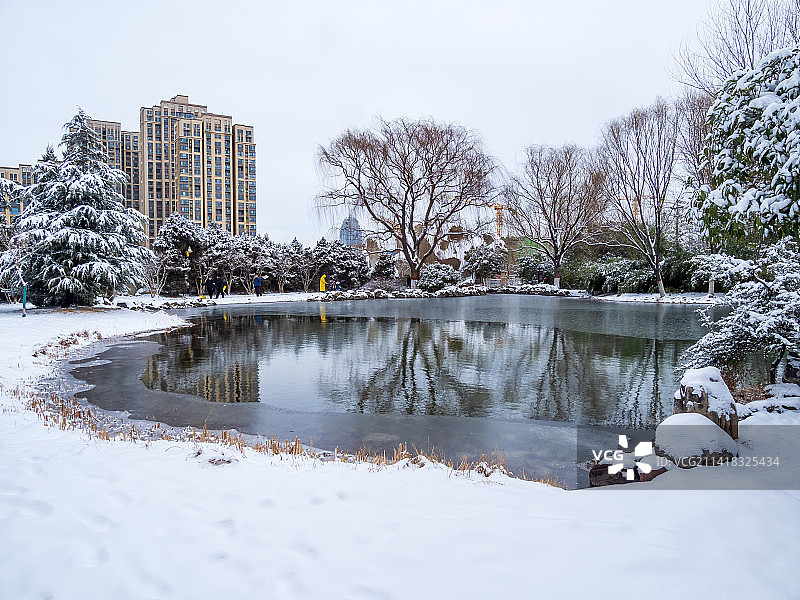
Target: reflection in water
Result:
[218, 361]
[377, 365]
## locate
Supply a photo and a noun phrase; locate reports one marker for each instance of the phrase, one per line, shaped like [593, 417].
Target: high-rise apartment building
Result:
[183, 159]
[22, 175]
[199, 164]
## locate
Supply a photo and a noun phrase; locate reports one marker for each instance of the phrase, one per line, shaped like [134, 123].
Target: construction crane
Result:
[499, 208]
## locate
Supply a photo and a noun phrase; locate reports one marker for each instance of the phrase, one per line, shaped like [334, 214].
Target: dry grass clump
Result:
[60, 347]
[749, 394]
[742, 393]
[65, 412]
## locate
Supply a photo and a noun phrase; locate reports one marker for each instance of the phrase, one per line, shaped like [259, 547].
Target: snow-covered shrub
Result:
[437, 276]
[754, 150]
[393, 284]
[690, 439]
[530, 267]
[764, 317]
[623, 275]
[677, 270]
[486, 260]
[723, 269]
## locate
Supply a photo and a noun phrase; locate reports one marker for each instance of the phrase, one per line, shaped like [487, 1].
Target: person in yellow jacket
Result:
[322, 283]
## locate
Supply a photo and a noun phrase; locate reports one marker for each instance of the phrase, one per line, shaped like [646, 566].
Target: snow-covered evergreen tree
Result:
[75, 240]
[256, 260]
[486, 260]
[754, 150]
[765, 315]
[385, 267]
[8, 191]
[437, 276]
[305, 266]
[220, 256]
[282, 264]
[180, 245]
[529, 268]
[719, 268]
[344, 264]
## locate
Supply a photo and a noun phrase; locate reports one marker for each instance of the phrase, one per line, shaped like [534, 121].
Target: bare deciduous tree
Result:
[736, 35]
[639, 154]
[157, 269]
[693, 109]
[413, 179]
[557, 201]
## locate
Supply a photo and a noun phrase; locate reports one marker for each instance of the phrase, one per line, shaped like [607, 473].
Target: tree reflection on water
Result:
[420, 367]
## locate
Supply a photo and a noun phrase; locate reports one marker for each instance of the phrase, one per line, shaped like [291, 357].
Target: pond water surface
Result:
[465, 375]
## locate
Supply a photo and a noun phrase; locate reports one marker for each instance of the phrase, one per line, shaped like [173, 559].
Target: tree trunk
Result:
[557, 275]
[415, 276]
[773, 367]
[661, 291]
[657, 273]
[657, 264]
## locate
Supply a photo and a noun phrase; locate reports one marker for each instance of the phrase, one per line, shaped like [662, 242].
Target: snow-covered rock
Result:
[704, 392]
[692, 440]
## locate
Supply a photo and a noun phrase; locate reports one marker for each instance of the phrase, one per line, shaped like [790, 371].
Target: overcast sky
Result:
[518, 72]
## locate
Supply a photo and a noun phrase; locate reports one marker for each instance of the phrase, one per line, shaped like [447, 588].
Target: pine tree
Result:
[180, 245]
[305, 266]
[486, 260]
[220, 256]
[255, 259]
[75, 240]
[8, 191]
[385, 267]
[282, 264]
[342, 263]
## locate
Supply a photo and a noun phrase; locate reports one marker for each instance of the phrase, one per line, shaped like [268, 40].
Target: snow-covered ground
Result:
[148, 301]
[681, 298]
[85, 518]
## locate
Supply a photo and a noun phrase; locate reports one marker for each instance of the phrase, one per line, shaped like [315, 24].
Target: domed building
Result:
[350, 233]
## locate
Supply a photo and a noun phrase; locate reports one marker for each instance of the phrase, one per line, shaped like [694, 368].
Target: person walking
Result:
[210, 287]
[220, 285]
[322, 283]
[257, 285]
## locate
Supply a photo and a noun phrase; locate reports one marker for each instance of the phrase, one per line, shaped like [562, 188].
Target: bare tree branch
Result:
[639, 153]
[735, 37]
[415, 180]
[557, 201]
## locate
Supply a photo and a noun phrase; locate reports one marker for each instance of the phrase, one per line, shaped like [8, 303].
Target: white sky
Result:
[518, 72]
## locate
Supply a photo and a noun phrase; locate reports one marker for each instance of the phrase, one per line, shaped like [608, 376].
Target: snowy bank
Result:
[147, 302]
[681, 298]
[451, 291]
[81, 517]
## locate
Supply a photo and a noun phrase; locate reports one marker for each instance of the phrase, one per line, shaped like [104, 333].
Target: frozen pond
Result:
[466, 375]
